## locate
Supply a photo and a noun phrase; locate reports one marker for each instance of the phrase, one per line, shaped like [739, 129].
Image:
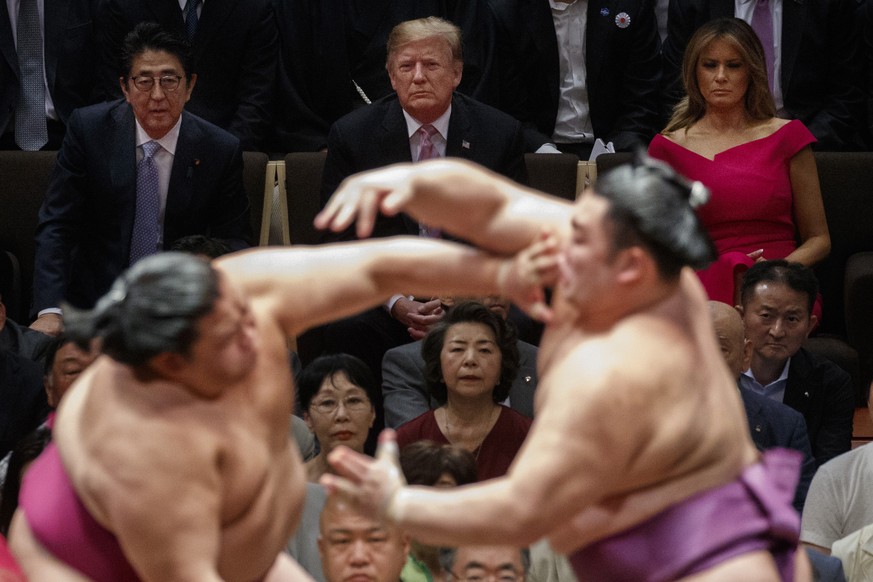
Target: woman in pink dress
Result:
[766, 202]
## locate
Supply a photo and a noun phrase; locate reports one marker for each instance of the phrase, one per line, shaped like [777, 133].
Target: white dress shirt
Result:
[573, 122]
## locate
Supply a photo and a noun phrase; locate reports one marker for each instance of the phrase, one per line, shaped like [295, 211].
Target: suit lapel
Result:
[393, 143]
[183, 175]
[538, 16]
[460, 142]
[122, 167]
[798, 393]
[598, 29]
[7, 44]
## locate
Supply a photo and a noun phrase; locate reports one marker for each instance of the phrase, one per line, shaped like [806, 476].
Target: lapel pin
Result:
[806, 394]
[622, 20]
[527, 378]
[465, 144]
[196, 162]
[757, 428]
[604, 11]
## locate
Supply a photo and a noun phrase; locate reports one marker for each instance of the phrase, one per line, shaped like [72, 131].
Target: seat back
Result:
[554, 174]
[847, 192]
[303, 195]
[254, 181]
[24, 179]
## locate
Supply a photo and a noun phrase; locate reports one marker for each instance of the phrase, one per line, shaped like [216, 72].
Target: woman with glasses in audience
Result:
[471, 358]
[336, 394]
[766, 202]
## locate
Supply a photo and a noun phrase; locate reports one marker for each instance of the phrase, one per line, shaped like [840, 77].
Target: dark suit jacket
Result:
[623, 67]
[69, 53]
[376, 136]
[822, 63]
[86, 220]
[347, 39]
[772, 424]
[822, 392]
[234, 54]
[404, 391]
[23, 341]
[23, 397]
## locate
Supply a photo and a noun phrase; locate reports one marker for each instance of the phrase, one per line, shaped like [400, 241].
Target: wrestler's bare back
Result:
[120, 437]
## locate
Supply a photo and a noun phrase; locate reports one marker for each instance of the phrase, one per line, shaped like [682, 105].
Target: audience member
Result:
[777, 299]
[233, 52]
[771, 424]
[814, 64]
[478, 563]
[64, 362]
[18, 339]
[471, 359]
[23, 399]
[195, 383]
[579, 70]
[597, 488]
[759, 168]
[356, 547]
[336, 395]
[433, 464]
[348, 39]
[839, 502]
[47, 69]
[132, 177]
[425, 66]
[404, 391]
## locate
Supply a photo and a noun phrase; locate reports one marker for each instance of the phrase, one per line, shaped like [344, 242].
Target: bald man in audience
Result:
[771, 424]
[357, 548]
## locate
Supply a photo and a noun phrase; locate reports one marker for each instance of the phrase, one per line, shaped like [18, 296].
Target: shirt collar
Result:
[441, 124]
[168, 142]
[783, 376]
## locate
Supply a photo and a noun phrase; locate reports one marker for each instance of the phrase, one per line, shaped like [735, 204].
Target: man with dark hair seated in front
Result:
[133, 176]
[777, 299]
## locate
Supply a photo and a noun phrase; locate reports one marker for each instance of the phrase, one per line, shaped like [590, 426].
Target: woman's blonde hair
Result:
[758, 101]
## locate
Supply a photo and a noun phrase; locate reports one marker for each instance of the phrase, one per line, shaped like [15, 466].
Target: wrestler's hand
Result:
[524, 277]
[361, 197]
[369, 484]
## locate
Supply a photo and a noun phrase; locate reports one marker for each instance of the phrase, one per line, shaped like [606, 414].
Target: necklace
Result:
[487, 429]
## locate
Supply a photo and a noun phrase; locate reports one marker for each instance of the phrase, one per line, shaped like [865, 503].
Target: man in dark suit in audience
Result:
[771, 424]
[820, 64]
[404, 391]
[234, 46]
[424, 118]
[576, 84]
[132, 177]
[347, 39]
[777, 299]
[63, 68]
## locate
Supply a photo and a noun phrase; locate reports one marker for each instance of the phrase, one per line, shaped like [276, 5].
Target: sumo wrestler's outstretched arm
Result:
[574, 456]
[307, 286]
[457, 196]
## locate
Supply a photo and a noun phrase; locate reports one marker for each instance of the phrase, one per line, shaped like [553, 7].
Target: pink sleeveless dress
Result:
[751, 205]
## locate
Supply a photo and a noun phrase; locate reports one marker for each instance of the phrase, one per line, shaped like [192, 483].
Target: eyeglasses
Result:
[168, 82]
[351, 404]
